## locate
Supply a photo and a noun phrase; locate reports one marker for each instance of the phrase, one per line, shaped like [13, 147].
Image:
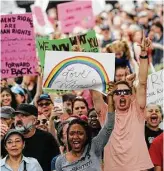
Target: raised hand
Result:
[111, 88]
[4, 128]
[145, 44]
[130, 79]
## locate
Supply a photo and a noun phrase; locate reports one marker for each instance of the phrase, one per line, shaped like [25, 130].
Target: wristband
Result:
[143, 57]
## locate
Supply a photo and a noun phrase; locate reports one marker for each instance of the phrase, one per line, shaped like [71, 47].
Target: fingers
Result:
[4, 129]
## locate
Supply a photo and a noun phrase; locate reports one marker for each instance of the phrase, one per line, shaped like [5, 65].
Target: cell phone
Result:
[58, 102]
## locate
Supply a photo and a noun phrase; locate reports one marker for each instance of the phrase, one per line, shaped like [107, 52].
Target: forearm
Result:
[111, 107]
[102, 138]
[97, 100]
[143, 69]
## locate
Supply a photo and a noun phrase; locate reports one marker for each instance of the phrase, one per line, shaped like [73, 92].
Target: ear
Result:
[24, 145]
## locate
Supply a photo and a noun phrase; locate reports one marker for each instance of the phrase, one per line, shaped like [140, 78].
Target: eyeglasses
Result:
[44, 104]
[122, 92]
[10, 142]
[42, 121]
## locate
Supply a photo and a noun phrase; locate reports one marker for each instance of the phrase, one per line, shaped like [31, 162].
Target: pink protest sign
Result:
[18, 55]
[75, 14]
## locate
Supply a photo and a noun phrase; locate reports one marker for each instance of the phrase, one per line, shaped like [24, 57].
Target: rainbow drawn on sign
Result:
[97, 66]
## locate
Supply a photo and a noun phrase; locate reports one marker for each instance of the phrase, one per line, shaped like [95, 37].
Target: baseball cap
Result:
[17, 90]
[104, 27]
[11, 132]
[26, 109]
[44, 97]
[7, 112]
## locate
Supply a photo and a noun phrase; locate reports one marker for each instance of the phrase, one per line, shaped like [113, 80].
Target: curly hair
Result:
[120, 45]
[87, 130]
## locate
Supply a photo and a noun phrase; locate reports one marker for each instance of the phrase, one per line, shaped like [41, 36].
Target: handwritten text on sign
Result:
[88, 42]
[18, 56]
[78, 70]
[155, 84]
[74, 14]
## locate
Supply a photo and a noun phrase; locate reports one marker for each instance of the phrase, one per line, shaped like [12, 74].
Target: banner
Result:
[78, 70]
[155, 85]
[75, 14]
[88, 42]
[18, 55]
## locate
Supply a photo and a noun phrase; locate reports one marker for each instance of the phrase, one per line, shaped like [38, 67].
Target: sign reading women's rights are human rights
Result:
[78, 70]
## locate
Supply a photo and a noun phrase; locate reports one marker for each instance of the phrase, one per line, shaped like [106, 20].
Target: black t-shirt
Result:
[41, 146]
[150, 135]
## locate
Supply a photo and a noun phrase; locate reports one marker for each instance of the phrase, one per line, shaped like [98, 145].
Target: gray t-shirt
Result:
[91, 162]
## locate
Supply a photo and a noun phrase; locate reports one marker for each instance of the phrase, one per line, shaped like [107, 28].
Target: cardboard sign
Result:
[41, 22]
[75, 14]
[87, 41]
[78, 70]
[155, 84]
[18, 55]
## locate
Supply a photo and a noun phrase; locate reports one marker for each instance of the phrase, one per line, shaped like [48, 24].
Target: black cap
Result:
[44, 97]
[105, 27]
[26, 109]
[11, 132]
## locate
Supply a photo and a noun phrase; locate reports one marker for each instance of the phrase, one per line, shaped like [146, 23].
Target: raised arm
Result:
[143, 73]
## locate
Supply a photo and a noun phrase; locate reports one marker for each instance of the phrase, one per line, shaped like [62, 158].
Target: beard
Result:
[24, 129]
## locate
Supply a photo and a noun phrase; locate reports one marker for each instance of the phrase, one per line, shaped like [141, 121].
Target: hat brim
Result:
[6, 116]
[21, 112]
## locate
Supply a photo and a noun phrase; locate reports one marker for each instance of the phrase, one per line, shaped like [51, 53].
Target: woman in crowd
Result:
[80, 106]
[14, 143]
[84, 152]
[8, 98]
[153, 119]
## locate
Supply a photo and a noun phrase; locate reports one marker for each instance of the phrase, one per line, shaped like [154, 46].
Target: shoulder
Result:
[30, 160]
[43, 133]
[158, 140]
[59, 160]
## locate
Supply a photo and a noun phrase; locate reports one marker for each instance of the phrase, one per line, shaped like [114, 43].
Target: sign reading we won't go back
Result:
[18, 55]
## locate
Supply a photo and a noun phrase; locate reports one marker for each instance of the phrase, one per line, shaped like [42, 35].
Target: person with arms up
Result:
[127, 146]
[84, 153]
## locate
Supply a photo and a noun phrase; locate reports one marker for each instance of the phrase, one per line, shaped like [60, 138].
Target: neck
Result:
[77, 154]
[14, 159]
[152, 128]
[31, 133]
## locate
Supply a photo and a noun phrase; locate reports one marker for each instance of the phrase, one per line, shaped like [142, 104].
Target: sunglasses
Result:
[42, 121]
[122, 92]
[44, 104]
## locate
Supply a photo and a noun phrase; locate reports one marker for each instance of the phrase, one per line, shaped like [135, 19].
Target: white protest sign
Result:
[155, 88]
[78, 70]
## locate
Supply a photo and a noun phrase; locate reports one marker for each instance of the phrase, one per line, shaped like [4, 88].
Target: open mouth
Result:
[76, 144]
[122, 102]
[154, 118]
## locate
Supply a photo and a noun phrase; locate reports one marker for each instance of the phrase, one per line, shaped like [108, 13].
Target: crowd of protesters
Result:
[91, 132]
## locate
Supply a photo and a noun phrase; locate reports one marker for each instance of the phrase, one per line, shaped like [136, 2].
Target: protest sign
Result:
[18, 55]
[78, 70]
[155, 87]
[75, 14]
[42, 25]
[87, 41]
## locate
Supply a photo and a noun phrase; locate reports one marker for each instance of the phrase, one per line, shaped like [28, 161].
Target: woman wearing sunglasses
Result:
[14, 143]
[127, 143]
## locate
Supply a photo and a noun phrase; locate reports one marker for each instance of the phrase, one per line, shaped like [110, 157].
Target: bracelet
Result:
[143, 57]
